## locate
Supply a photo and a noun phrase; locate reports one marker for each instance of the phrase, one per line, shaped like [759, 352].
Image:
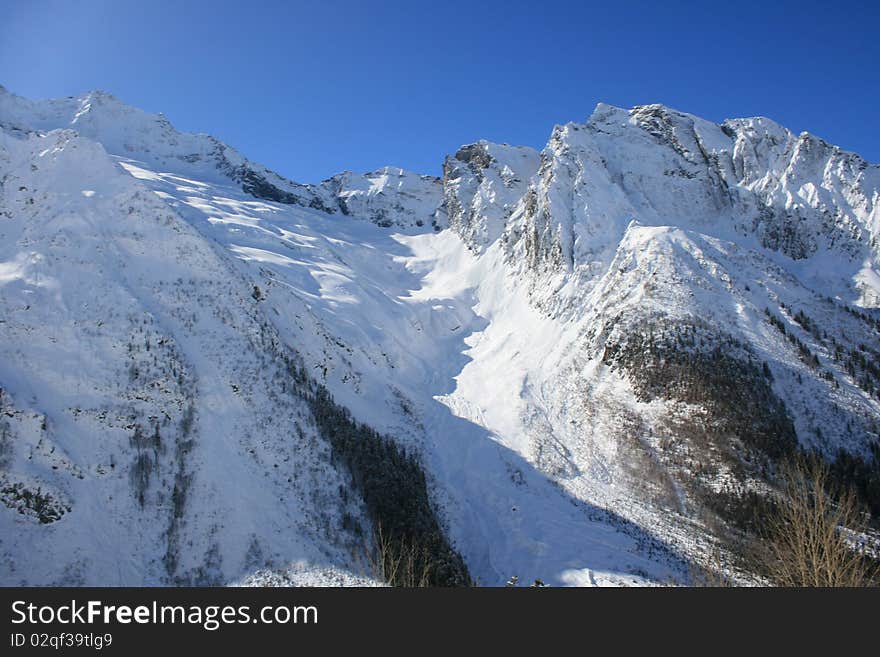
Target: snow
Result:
[464, 317]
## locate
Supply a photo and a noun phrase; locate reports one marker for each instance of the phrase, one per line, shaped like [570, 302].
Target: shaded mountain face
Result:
[564, 364]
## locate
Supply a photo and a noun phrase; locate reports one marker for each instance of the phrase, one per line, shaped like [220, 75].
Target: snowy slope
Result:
[650, 226]
[142, 389]
[521, 352]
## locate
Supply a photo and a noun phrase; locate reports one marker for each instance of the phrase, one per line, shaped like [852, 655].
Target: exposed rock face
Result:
[482, 184]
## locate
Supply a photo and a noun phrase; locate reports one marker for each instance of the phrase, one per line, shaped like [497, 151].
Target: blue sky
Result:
[312, 88]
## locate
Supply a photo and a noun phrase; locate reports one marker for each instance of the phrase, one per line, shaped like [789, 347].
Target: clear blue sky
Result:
[312, 88]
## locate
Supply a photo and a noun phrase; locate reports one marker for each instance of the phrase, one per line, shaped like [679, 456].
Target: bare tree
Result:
[805, 542]
[397, 561]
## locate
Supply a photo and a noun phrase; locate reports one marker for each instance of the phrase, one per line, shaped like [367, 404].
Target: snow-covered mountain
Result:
[583, 357]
